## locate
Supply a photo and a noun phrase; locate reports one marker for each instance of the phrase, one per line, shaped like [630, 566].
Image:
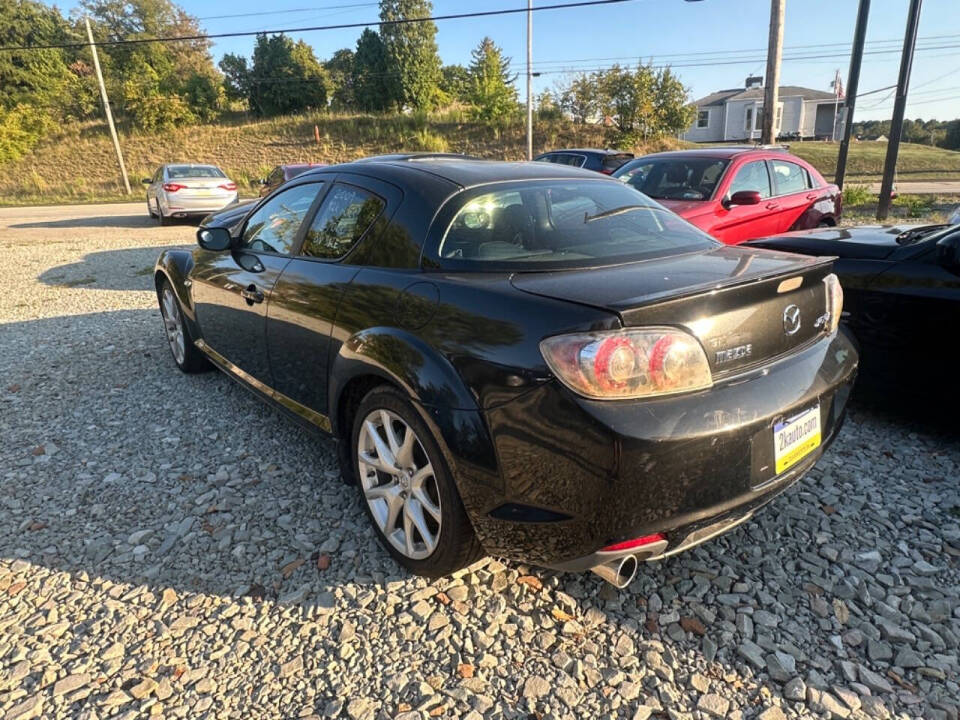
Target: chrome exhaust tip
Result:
[619, 572]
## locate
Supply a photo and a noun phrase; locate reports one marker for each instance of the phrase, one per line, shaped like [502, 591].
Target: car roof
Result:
[303, 165]
[456, 169]
[599, 151]
[720, 153]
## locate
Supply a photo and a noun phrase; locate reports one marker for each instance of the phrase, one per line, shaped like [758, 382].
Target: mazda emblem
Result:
[791, 319]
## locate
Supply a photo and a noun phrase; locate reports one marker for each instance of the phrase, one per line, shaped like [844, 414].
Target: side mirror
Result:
[214, 238]
[745, 197]
[146, 181]
[948, 252]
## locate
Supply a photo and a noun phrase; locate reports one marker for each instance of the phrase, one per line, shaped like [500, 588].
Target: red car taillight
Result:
[636, 542]
[173, 187]
[228, 186]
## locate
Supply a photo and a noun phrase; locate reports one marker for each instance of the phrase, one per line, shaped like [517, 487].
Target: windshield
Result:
[690, 178]
[194, 171]
[564, 224]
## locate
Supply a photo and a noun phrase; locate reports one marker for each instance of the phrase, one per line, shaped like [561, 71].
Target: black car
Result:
[602, 161]
[902, 290]
[520, 358]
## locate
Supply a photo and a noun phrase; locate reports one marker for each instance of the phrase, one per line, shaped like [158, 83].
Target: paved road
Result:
[931, 187]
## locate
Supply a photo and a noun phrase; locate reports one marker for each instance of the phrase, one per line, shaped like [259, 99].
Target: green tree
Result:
[411, 49]
[579, 98]
[204, 96]
[286, 77]
[236, 76]
[36, 77]
[371, 85]
[340, 70]
[142, 77]
[492, 91]
[643, 103]
[455, 82]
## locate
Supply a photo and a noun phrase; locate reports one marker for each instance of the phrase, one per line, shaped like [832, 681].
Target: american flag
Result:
[837, 85]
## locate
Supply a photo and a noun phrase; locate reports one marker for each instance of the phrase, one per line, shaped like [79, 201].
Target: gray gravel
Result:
[170, 546]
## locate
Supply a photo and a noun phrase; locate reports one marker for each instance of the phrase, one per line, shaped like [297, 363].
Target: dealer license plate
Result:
[795, 438]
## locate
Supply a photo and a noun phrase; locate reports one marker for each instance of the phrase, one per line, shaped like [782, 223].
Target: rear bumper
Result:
[579, 475]
[173, 206]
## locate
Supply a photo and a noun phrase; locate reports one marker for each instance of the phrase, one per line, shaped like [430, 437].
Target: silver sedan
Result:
[179, 191]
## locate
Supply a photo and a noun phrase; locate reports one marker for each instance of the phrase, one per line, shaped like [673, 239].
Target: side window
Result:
[158, 175]
[276, 177]
[273, 227]
[341, 221]
[752, 176]
[789, 177]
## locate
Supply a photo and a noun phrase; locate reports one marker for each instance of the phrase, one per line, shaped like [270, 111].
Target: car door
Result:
[156, 181]
[736, 223]
[793, 194]
[306, 299]
[231, 289]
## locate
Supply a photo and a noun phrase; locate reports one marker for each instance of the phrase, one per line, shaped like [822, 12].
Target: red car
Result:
[737, 193]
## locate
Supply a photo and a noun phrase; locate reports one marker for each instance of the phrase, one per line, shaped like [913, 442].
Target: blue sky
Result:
[692, 36]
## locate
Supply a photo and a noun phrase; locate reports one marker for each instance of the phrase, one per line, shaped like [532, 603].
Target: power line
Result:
[342, 26]
[288, 12]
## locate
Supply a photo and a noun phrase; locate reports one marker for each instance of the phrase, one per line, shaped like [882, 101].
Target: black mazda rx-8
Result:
[522, 359]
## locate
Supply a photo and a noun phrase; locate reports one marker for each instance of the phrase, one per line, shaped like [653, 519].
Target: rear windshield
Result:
[690, 178]
[194, 171]
[556, 223]
[612, 162]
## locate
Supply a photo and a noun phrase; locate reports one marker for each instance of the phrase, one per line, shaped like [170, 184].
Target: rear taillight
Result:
[834, 302]
[173, 187]
[630, 363]
[606, 172]
[228, 186]
[635, 543]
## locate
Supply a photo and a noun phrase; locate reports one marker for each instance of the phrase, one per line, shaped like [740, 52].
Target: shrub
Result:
[20, 129]
[429, 142]
[857, 195]
[915, 205]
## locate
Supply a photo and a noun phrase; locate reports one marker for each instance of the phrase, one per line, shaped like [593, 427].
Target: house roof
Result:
[756, 93]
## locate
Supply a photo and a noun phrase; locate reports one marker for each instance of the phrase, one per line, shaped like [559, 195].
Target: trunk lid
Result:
[746, 306]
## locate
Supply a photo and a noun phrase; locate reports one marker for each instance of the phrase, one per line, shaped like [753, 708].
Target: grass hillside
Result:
[77, 164]
[865, 161]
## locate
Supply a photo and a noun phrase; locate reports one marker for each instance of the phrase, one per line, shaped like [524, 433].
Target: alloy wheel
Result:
[398, 483]
[173, 324]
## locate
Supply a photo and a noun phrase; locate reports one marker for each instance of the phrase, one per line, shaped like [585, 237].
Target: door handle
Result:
[812, 196]
[251, 295]
[772, 206]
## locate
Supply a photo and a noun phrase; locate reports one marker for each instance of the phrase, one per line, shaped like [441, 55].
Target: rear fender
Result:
[403, 359]
[436, 389]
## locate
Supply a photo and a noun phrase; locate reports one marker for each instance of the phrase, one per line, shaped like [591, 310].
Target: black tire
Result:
[164, 220]
[457, 545]
[192, 360]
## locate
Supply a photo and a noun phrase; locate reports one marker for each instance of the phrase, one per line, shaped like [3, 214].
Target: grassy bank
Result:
[865, 161]
[77, 163]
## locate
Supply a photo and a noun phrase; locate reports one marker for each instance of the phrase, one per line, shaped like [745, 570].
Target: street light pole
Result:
[106, 106]
[772, 89]
[529, 79]
[899, 108]
[853, 87]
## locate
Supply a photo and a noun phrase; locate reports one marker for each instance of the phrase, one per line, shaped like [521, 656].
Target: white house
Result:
[737, 114]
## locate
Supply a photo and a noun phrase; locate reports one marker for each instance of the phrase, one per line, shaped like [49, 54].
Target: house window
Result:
[703, 119]
[779, 119]
[748, 121]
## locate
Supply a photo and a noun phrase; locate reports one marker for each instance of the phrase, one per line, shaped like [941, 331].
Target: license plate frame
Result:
[795, 437]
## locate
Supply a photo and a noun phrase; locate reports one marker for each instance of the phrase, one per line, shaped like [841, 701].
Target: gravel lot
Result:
[169, 546]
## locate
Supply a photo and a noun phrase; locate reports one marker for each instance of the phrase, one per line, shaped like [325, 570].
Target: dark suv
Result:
[603, 161]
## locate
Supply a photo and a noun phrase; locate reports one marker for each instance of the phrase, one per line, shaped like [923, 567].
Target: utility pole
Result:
[853, 83]
[772, 90]
[836, 104]
[899, 107]
[529, 79]
[106, 106]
